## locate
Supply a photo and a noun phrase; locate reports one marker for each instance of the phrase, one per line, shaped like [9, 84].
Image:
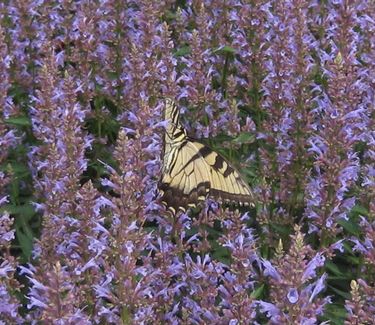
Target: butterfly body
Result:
[192, 171]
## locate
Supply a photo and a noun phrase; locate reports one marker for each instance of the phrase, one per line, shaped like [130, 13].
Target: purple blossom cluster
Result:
[290, 83]
[9, 286]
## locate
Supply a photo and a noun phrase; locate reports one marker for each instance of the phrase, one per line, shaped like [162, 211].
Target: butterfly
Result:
[192, 171]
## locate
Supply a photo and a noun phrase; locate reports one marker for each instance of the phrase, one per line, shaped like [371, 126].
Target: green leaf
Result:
[18, 121]
[333, 268]
[349, 226]
[359, 210]
[249, 173]
[354, 260]
[347, 247]
[225, 50]
[170, 15]
[335, 314]
[336, 279]
[26, 211]
[182, 51]
[26, 243]
[244, 138]
[258, 292]
[20, 170]
[344, 294]
[221, 253]
[284, 230]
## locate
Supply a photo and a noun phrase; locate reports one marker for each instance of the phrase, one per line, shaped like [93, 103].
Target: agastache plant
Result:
[24, 39]
[57, 164]
[286, 85]
[287, 105]
[295, 284]
[240, 279]
[340, 116]
[360, 307]
[9, 285]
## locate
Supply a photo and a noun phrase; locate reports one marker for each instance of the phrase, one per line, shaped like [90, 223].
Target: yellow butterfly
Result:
[192, 171]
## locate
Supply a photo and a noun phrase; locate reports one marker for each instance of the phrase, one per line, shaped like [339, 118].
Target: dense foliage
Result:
[283, 88]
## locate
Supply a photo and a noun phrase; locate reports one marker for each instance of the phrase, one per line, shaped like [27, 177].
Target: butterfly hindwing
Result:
[226, 184]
